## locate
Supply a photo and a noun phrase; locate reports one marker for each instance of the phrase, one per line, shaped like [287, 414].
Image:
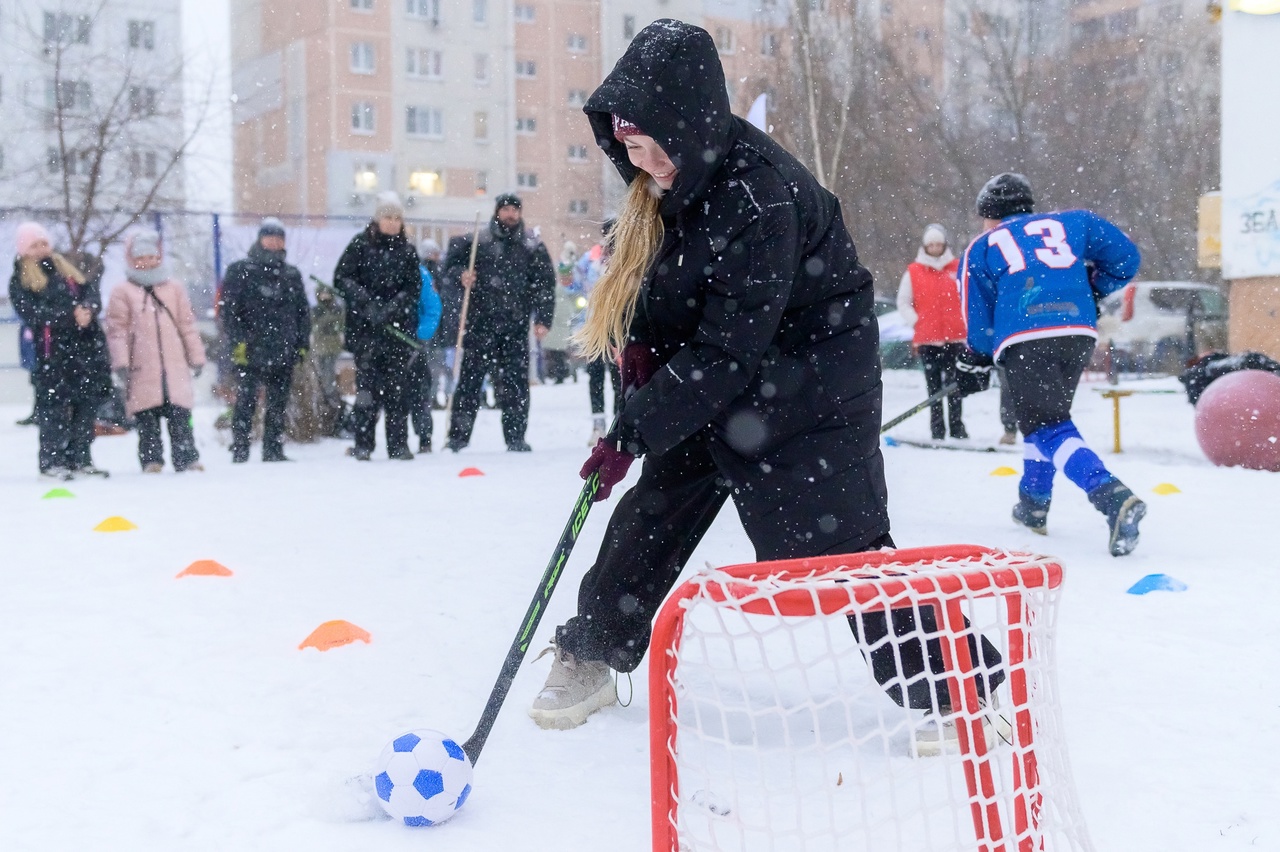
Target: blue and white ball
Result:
[422, 778]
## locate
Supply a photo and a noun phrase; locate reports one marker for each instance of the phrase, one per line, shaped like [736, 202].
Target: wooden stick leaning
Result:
[462, 327]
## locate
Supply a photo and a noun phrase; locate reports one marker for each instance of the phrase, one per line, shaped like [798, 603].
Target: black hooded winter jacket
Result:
[756, 301]
[379, 279]
[264, 306]
[514, 280]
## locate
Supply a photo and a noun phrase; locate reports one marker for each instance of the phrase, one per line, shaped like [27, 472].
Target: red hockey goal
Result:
[777, 718]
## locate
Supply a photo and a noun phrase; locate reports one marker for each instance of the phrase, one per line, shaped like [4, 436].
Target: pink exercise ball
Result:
[1238, 420]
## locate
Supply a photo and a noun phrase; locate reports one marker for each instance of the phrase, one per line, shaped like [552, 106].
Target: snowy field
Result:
[143, 712]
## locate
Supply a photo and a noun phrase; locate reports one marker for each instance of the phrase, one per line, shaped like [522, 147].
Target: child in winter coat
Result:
[155, 349]
[60, 305]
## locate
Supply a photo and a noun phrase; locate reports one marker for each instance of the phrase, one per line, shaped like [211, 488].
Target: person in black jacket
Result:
[267, 321]
[379, 279]
[72, 373]
[749, 361]
[513, 281]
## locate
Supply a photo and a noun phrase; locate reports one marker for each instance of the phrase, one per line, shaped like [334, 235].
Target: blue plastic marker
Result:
[1157, 583]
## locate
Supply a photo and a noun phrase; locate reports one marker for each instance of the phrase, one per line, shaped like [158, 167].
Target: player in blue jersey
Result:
[1029, 285]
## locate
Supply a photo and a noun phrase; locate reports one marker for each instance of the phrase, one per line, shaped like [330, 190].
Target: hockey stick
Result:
[547, 585]
[947, 390]
[462, 328]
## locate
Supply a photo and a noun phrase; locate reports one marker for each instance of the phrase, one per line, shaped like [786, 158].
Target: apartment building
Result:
[113, 63]
[338, 100]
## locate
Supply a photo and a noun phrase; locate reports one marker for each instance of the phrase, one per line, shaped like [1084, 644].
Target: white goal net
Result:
[896, 700]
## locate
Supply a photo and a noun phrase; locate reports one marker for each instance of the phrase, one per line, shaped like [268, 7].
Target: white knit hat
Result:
[389, 204]
[934, 233]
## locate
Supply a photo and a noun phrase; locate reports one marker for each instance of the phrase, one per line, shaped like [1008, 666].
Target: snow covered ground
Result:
[143, 712]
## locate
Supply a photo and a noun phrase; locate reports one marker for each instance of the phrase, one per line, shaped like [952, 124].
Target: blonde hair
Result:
[634, 240]
[33, 276]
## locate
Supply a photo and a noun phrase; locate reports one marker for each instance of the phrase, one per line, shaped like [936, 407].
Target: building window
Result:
[769, 44]
[526, 126]
[578, 207]
[424, 63]
[628, 26]
[724, 40]
[482, 68]
[482, 183]
[526, 69]
[143, 164]
[142, 100]
[362, 117]
[76, 163]
[480, 11]
[366, 178]
[482, 127]
[142, 35]
[424, 121]
[429, 9]
[577, 97]
[66, 29]
[577, 153]
[577, 43]
[525, 14]
[68, 95]
[527, 180]
[362, 5]
[361, 57]
[426, 182]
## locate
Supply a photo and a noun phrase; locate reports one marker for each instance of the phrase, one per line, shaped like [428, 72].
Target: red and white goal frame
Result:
[1018, 795]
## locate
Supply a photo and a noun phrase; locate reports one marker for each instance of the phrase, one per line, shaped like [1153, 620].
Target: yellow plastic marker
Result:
[1004, 471]
[115, 523]
[1167, 488]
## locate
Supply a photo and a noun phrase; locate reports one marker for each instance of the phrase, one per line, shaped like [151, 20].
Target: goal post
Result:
[786, 711]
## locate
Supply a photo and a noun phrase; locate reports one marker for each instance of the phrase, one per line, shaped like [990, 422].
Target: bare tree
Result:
[115, 117]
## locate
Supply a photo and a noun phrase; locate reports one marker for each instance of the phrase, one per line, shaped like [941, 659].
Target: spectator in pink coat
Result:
[155, 350]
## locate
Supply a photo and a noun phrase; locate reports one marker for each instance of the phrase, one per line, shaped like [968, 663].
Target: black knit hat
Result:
[507, 199]
[1004, 195]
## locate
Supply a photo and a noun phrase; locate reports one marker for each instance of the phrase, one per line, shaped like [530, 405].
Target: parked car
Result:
[1158, 326]
[895, 337]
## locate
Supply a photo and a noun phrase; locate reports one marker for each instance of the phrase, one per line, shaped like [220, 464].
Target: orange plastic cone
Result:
[471, 471]
[335, 634]
[115, 523]
[205, 568]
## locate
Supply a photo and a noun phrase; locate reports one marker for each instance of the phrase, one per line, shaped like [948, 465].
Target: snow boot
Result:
[519, 446]
[1031, 513]
[153, 467]
[937, 735]
[400, 454]
[57, 474]
[574, 690]
[361, 454]
[454, 445]
[1124, 511]
[239, 453]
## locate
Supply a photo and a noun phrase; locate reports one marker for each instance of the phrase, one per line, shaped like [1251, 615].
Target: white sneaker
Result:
[574, 690]
[936, 734]
[597, 430]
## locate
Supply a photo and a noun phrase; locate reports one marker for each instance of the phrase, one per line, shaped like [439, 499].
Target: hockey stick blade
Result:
[538, 606]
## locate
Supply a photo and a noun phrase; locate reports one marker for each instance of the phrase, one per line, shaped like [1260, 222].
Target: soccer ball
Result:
[422, 778]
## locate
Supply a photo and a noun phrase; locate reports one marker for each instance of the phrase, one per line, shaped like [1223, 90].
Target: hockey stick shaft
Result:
[946, 391]
[462, 325]
[537, 607]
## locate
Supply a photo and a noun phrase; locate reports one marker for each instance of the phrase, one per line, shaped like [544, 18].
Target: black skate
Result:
[1031, 513]
[1124, 511]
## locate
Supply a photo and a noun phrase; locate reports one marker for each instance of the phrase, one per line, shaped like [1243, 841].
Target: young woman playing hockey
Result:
[749, 360]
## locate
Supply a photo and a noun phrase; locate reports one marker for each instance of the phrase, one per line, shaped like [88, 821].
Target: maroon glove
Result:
[611, 463]
[639, 363]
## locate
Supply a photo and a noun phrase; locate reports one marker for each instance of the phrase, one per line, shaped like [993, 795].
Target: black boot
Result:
[239, 453]
[1124, 511]
[1031, 513]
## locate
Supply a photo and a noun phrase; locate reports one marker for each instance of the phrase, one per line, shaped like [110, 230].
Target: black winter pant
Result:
[595, 384]
[1008, 417]
[277, 381]
[182, 442]
[788, 512]
[66, 429]
[384, 379]
[506, 359]
[1043, 375]
[940, 368]
[421, 394]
